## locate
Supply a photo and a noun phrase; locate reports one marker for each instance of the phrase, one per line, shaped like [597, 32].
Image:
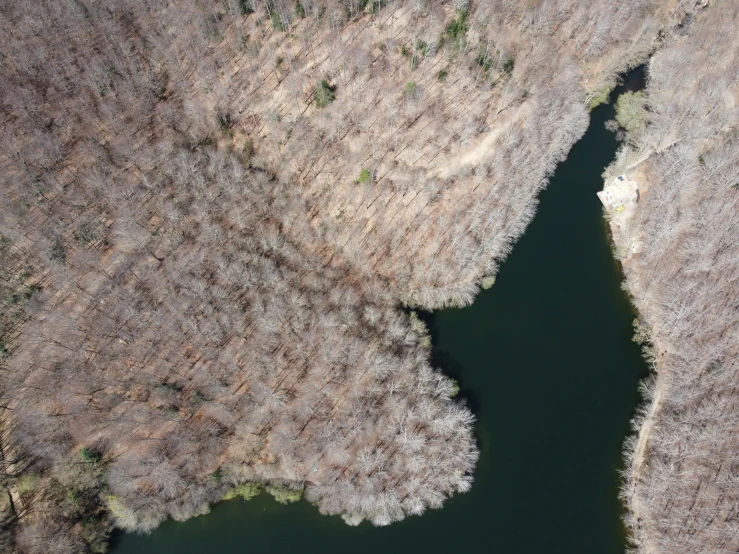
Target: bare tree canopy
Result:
[680, 251]
[212, 211]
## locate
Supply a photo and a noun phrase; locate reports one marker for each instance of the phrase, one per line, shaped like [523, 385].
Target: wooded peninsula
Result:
[218, 217]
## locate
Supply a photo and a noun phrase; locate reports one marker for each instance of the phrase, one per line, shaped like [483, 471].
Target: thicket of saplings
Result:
[682, 483]
[202, 269]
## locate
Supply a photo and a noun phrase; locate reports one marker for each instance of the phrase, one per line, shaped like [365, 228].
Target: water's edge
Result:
[545, 361]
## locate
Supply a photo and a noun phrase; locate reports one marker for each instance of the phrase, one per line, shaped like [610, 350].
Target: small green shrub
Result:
[165, 386]
[85, 233]
[57, 252]
[247, 491]
[508, 65]
[198, 396]
[246, 7]
[484, 60]
[122, 515]
[300, 10]
[364, 176]
[441, 75]
[631, 111]
[27, 482]
[374, 6]
[213, 27]
[205, 141]
[600, 96]
[277, 23]
[411, 55]
[324, 95]
[225, 122]
[89, 455]
[457, 28]
[17, 297]
[283, 494]
[715, 367]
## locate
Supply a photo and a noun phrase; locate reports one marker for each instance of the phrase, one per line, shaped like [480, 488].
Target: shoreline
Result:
[648, 406]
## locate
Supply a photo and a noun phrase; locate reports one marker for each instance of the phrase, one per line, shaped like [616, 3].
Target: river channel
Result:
[546, 363]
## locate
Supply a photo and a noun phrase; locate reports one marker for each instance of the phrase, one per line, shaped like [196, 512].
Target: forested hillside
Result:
[211, 212]
[682, 483]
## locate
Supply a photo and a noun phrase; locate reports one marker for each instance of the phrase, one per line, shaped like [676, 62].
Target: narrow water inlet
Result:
[545, 361]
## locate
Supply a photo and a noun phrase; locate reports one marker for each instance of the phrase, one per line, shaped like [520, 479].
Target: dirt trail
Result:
[478, 152]
[637, 467]
[625, 242]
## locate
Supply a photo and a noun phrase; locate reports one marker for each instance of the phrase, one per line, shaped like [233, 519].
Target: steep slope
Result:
[213, 211]
[682, 483]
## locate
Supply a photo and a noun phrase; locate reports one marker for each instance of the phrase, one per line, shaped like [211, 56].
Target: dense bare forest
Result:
[211, 214]
[682, 482]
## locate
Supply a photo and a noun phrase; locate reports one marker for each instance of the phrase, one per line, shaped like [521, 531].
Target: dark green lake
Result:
[545, 361]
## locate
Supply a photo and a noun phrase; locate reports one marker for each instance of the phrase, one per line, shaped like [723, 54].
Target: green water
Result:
[545, 361]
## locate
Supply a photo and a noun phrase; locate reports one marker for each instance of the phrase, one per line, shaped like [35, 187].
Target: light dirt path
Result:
[637, 472]
[479, 152]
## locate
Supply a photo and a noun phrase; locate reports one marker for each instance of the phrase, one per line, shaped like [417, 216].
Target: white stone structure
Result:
[622, 192]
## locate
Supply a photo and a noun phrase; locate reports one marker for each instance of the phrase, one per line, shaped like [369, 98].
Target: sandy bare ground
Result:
[639, 462]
